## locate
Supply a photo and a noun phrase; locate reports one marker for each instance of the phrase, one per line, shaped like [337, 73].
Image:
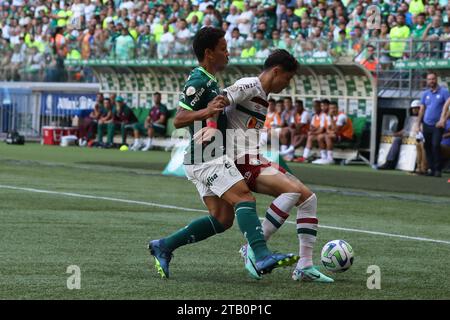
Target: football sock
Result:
[306, 153]
[323, 154]
[307, 224]
[196, 231]
[330, 154]
[250, 226]
[278, 212]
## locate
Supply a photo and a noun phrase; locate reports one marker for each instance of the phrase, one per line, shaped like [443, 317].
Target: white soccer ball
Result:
[337, 256]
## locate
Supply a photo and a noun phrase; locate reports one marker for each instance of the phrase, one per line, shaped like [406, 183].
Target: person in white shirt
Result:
[232, 17]
[245, 21]
[166, 43]
[182, 38]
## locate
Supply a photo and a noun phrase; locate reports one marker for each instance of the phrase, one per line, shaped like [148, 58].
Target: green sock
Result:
[251, 228]
[195, 231]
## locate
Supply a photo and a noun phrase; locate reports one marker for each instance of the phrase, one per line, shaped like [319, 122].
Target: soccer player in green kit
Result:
[220, 185]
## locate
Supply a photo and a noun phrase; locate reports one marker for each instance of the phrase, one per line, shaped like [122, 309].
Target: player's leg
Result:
[149, 140]
[330, 138]
[286, 188]
[244, 203]
[229, 184]
[309, 143]
[111, 128]
[220, 218]
[123, 132]
[137, 143]
[284, 140]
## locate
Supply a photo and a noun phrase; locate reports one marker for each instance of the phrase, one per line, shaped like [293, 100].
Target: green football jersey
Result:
[200, 88]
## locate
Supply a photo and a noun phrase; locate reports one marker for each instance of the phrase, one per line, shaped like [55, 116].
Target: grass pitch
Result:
[42, 234]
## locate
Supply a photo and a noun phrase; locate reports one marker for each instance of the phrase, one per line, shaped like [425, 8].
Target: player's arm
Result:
[420, 115]
[239, 92]
[186, 115]
[444, 115]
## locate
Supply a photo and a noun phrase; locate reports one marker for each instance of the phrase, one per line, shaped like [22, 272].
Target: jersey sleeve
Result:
[341, 120]
[305, 117]
[191, 97]
[323, 120]
[239, 92]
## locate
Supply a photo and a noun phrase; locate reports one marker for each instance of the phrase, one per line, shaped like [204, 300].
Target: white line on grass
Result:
[153, 204]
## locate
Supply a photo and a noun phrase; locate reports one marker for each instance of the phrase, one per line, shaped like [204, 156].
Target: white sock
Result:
[278, 212]
[307, 224]
[306, 153]
[323, 154]
[283, 147]
[137, 142]
[330, 154]
[148, 142]
[292, 153]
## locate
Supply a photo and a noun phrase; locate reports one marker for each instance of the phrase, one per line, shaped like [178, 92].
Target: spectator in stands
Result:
[370, 62]
[155, 124]
[394, 151]
[445, 37]
[182, 38]
[296, 134]
[125, 46]
[236, 43]
[249, 50]
[166, 43]
[398, 36]
[431, 117]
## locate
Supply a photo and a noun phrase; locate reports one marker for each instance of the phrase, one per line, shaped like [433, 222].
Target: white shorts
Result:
[215, 177]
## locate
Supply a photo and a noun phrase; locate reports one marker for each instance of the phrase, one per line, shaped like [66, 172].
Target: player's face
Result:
[333, 109]
[220, 55]
[281, 79]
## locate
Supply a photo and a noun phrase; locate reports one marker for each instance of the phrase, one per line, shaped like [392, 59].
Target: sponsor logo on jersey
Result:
[197, 97]
[253, 123]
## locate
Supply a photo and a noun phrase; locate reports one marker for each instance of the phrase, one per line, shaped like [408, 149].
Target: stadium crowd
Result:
[37, 35]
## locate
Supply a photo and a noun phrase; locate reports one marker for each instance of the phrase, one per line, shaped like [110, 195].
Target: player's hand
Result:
[215, 106]
[440, 124]
[204, 135]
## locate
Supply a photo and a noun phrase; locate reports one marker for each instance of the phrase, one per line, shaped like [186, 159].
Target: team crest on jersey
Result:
[253, 123]
[190, 91]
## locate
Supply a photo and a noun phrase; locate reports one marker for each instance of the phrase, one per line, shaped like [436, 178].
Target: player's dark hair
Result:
[206, 38]
[157, 93]
[326, 101]
[300, 102]
[282, 58]
[272, 100]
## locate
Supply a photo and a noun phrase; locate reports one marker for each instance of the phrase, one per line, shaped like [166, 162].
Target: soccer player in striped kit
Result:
[246, 115]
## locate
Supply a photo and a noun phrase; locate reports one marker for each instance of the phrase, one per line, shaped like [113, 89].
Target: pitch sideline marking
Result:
[153, 204]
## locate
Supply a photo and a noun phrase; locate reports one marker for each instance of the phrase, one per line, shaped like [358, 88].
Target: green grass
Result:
[42, 234]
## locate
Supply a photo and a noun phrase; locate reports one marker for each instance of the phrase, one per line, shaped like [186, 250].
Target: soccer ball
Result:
[337, 256]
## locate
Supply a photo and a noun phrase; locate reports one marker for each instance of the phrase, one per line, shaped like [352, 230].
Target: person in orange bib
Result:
[340, 128]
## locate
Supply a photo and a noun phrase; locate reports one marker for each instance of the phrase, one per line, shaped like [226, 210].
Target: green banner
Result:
[182, 62]
[423, 64]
